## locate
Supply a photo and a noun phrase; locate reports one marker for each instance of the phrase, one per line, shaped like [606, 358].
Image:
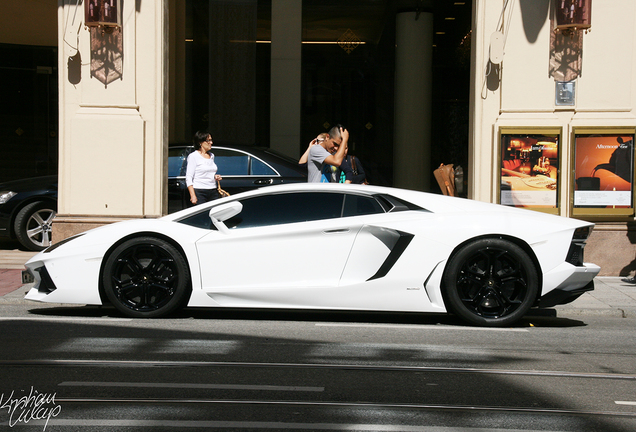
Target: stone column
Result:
[413, 95]
[286, 65]
[113, 121]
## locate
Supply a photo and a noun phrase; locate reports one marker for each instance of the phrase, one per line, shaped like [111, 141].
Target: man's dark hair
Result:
[334, 132]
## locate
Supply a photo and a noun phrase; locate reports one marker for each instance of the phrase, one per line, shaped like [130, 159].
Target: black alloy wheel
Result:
[146, 277]
[491, 282]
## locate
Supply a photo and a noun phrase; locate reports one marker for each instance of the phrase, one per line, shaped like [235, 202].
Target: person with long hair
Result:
[201, 176]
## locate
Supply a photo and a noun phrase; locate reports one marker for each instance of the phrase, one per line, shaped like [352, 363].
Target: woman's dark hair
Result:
[198, 138]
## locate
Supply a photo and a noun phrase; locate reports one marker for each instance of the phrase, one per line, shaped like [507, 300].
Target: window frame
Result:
[606, 212]
[379, 200]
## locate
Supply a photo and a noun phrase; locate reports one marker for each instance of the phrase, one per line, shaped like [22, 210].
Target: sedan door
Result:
[242, 171]
[282, 250]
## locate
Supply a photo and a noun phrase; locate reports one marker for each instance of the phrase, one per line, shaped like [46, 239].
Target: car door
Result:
[282, 250]
[242, 171]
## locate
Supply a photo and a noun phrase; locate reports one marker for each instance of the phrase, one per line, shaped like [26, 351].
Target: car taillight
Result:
[581, 234]
[575, 253]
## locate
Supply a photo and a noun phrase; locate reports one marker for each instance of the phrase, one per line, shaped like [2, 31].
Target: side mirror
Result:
[221, 213]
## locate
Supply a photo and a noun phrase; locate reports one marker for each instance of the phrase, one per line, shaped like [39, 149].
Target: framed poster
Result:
[603, 172]
[529, 169]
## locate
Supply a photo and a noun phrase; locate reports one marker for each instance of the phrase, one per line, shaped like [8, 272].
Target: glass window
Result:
[231, 162]
[604, 173]
[529, 170]
[177, 161]
[199, 220]
[287, 208]
[357, 205]
[174, 165]
[260, 168]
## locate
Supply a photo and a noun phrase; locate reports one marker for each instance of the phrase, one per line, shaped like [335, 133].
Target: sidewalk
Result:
[611, 296]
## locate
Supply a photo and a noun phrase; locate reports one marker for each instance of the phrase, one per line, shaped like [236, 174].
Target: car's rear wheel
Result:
[33, 225]
[490, 282]
[146, 277]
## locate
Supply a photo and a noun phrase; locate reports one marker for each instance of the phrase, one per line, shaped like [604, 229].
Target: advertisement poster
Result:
[604, 171]
[529, 170]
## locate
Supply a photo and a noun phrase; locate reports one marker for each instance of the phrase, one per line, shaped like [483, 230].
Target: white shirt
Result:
[201, 171]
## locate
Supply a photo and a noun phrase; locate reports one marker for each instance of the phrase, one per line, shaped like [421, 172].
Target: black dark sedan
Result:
[242, 169]
[27, 209]
[28, 206]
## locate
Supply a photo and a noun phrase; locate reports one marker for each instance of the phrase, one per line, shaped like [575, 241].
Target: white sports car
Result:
[326, 246]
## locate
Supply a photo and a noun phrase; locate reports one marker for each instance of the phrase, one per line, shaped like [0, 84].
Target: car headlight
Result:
[6, 196]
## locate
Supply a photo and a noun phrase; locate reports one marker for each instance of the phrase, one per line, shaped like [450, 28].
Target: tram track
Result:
[331, 366]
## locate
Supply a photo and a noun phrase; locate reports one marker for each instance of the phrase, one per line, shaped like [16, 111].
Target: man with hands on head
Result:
[322, 152]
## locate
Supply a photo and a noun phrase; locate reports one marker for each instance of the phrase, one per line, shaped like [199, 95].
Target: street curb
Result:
[605, 312]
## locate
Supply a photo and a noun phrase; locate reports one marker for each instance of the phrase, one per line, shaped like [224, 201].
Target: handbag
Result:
[354, 169]
[222, 193]
[445, 176]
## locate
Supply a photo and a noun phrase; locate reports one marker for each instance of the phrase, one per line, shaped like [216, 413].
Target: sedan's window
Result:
[230, 162]
[174, 165]
[279, 209]
[177, 161]
[260, 168]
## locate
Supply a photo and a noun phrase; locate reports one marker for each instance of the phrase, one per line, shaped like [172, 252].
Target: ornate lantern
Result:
[102, 13]
[573, 15]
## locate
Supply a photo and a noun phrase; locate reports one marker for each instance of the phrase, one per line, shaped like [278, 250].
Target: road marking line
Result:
[190, 385]
[350, 366]
[625, 403]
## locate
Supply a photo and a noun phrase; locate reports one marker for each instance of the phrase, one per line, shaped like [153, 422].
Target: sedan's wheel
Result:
[146, 277]
[491, 282]
[33, 225]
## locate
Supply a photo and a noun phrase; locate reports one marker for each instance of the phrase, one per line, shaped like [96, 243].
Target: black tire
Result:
[33, 225]
[490, 282]
[146, 277]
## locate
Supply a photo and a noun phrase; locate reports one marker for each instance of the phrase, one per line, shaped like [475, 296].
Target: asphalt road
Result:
[88, 369]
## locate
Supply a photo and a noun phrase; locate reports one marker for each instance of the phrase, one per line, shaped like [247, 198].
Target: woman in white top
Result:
[201, 176]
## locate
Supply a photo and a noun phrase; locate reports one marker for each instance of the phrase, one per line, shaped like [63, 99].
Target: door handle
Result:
[264, 181]
[337, 231]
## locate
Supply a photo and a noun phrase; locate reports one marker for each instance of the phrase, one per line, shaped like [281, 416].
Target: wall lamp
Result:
[573, 16]
[104, 14]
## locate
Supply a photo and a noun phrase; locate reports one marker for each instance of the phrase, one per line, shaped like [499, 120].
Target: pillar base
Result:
[612, 246]
[65, 226]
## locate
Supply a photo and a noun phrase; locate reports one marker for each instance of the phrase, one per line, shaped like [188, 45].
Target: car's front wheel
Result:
[490, 282]
[146, 277]
[33, 225]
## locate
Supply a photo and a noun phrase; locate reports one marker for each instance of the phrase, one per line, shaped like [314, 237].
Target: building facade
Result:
[538, 116]
[567, 98]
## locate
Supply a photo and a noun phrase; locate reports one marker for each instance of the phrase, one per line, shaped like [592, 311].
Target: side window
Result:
[287, 208]
[199, 220]
[261, 169]
[177, 161]
[357, 205]
[174, 165]
[231, 162]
